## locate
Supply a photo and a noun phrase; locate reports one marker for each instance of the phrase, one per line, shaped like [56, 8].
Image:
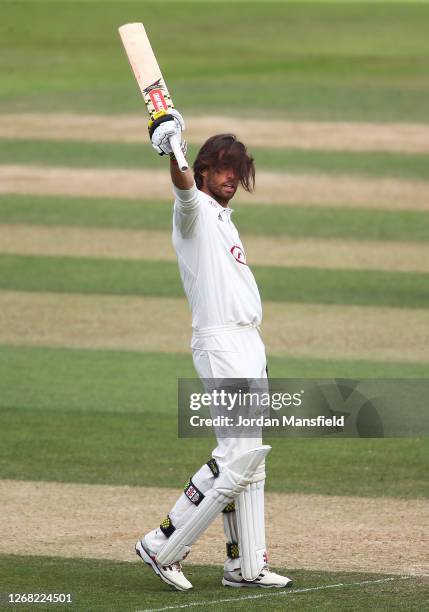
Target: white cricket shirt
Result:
[220, 287]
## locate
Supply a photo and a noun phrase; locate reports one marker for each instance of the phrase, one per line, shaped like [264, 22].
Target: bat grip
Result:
[178, 153]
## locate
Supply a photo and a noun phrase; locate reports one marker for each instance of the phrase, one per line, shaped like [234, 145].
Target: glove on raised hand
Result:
[163, 128]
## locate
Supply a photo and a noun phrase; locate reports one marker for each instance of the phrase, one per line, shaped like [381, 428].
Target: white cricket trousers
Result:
[236, 353]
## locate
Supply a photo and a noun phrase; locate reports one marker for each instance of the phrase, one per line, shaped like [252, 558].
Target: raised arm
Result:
[181, 180]
[187, 203]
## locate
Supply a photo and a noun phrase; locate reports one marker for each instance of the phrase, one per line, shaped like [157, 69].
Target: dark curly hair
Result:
[225, 151]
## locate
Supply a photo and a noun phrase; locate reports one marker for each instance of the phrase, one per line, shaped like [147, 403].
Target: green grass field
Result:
[69, 429]
[101, 585]
[130, 155]
[158, 278]
[297, 221]
[99, 416]
[316, 61]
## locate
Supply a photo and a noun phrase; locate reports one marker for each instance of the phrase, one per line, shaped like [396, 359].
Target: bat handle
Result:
[178, 153]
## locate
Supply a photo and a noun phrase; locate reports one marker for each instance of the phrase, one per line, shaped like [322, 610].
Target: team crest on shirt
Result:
[238, 254]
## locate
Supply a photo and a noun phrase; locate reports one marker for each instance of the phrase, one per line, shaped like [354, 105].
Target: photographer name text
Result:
[263, 421]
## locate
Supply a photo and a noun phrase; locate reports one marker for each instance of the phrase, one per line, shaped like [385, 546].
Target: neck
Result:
[222, 202]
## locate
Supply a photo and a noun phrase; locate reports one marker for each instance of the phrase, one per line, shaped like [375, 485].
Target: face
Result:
[221, 184]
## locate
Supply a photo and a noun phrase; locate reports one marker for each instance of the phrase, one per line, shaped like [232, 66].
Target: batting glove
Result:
[163, 128]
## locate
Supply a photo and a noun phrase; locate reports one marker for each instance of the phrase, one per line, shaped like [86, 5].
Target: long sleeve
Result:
[186, 210]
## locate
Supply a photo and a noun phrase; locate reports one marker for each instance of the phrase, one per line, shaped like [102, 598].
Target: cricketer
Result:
[226, 344]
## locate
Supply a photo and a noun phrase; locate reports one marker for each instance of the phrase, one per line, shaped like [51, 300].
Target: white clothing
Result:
[223, 295]
[219, 285]
[226, 312]
[232, 355]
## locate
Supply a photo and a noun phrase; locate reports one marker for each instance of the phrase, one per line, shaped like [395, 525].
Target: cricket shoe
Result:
[171, 574]
[265, 580]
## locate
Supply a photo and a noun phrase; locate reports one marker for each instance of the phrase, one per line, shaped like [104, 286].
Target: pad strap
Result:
[193, 493]
[232, 550]
[167, 527]
[212, 463]
[229, 508]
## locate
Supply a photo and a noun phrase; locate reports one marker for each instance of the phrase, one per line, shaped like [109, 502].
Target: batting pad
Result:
[233, 478]
[251, 529]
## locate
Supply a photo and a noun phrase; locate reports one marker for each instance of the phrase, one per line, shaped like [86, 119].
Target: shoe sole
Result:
[146, 558]
[255, 585]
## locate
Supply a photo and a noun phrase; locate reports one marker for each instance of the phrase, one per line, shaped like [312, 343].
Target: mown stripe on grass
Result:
[114, 155]
[272, 188]
[317, 135]
[302, 69]
[94, 321]
[110, 448]
[136, 382]
[153, 324]
[285, 220]
[152, 245]
[161, 278]
[92, 532]
[394, 165]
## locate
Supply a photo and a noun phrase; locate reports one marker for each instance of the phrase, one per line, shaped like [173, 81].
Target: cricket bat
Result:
[149, 78]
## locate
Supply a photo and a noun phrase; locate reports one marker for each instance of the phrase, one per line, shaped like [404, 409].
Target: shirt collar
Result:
[227, 210]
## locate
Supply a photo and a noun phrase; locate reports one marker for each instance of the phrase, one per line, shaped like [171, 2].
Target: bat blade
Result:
[149, 77]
